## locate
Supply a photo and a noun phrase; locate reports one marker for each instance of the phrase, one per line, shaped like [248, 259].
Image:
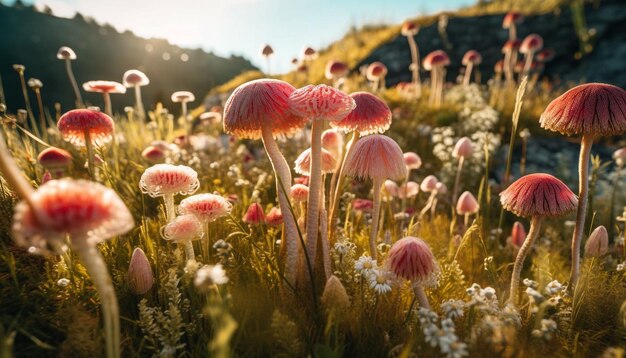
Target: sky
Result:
[241, 27]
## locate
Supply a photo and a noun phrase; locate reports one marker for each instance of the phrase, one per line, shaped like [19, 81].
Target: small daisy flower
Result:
[365, 265]
[453, 308]
[63, 282]
[380, 281]
[209, 275]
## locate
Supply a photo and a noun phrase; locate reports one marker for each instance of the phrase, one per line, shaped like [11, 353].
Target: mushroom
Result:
[20, 71]
[274, 217]
[518, 235]
[435, 62]
[466, 206]
[254, 215]
[598, 242]
[154, 155]
[300, 195]
[184, 230]
[139, 276]
[86, 128]
[510, 58]
[532, 44]
[68, 55]
[594, 109]
[376, 72]
[471, 59]
[337, 72]
[168, 180]
[429, 185]
[136, 79]
[332, 140]
[371, 115]
[410, 258]
[378, 158]
[412, 162]
[319, 104]
[536, 196]
[309, 53]
[36, 85]
[207, 208]
[267, 51]
[510, 22]
[463, 149]
[55, 160]
[183, 97]
[106, 88]
[409, 30]
[260, 109]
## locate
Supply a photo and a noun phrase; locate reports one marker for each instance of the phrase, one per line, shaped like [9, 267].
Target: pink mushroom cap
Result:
[593, 108]
[254, 215]
[467, 204]
[598, 242]
[511, 18]
[153, 154]
[518, 234]
[184, 228]
[321, 102]
[73, 124]
[391, 188]
[409, 28]
[206, 207]
[104, 87]
[538, 195]
[511, 45]
[463, 148]
[410, 258]
[261, 103]
[437, 58]
[429, 184]
[274, 216]
[86, 211]
[299, 193]
[473, 57]
[336, 69]
[168, 179]
[303, 162]
[376, 70]
[376, 157]
[531, 43]
[371, 115]
[332, 139]
[54, 158]
[412, 160]
[408, 190]
[363, 205]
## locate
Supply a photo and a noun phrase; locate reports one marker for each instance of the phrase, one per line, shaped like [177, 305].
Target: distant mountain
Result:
[32, 38]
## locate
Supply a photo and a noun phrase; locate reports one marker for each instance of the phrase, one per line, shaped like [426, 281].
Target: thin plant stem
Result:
[533, 233]
[70, 74]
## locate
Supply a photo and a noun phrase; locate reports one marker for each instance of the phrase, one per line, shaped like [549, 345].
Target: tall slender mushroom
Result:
[267, 51]
[471, 59]
[510, 58]
[463, 149]
[435, 62]
[371, 115]
[467, 205]
[20, 72]
[183, 230]
[337, 72]
[510, 22]
[56, 160]
[183, 97]
[593, 109]
[409, 30]
[68, 55]
[376, 72]
[531, 44]
[136, 79]
[86, 128]
[318, 103]
[378, 158]
[36, 85]
[260, 109]
[207, 208]
[106, 88]
[536, 196]
[168, 180]
[410, 258]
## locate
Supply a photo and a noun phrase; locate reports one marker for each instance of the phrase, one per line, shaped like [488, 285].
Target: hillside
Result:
[32, 38]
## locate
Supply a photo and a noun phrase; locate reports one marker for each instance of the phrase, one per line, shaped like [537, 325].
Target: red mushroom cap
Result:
[518, 234]
[254, 215]
[153, 154]
[183, 228]
[376, 70]
[167, 179]
[321, 102]
[538, 195]
[332, 139]
[299, 193]
[363, 205]
[511, 45]
[336, 69]
[511, 18]
[274, 217]
[303, 162]
[376, 157]
[104, 87]
[409, 28]
[473, 57]
[54, 158]
[531, 43]
[76, 122]
[412, 160]
[593, 108]
[132, 78]
[499, 66]
[260, 103]
[371, 115]
[206, 207]
[437, 58]
[86, 211]
[410, 258]
[545, 55]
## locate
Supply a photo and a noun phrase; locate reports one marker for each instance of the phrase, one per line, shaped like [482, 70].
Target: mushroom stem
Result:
[527, 63]
[508, 73]
[190, 255]
[375, 218]
[283, 188]
[29, 110]
[187, 124]
[97, 269]
[325, 244]
[416, 67]
[457, 180]
[442, 81]
[466, 222]
[420, 294]
[90, 153]
[315, 181]
[468, 74]
[70, 74]
[433, 85]
[583, 188]
[42, 116]
[170, 210]
[429, 204]
[533, 233]
[107, 104]
[512, 32]
[337, 189]
[139, 104]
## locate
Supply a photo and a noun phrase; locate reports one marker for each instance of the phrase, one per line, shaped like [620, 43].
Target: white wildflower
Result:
[453, 308]
[380, 281]
[209, 275]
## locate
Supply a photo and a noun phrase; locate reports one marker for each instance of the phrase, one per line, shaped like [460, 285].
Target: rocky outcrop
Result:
[485, 34]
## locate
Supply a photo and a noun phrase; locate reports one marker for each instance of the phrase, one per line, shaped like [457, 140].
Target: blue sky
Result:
[242, 26]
